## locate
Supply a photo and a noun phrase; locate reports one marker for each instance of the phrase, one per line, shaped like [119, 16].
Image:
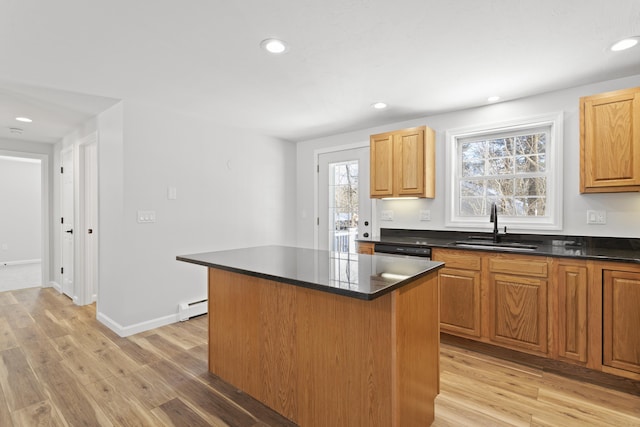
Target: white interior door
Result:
[66, 222]
[344, 206]
[90, 221]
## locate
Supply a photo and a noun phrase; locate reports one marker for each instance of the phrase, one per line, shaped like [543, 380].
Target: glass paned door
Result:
[344, 205]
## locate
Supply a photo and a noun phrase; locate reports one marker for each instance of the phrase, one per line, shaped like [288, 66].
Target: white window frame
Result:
[553, 220]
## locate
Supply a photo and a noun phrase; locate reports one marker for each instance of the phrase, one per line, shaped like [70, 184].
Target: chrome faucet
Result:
[494, 219]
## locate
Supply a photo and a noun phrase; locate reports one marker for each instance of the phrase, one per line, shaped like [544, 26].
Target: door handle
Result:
[90, 231]
[69, 231]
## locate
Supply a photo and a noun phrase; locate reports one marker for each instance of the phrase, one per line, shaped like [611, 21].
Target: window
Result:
[515, 165]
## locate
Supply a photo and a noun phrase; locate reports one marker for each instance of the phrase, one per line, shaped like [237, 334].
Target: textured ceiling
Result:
[64, 61]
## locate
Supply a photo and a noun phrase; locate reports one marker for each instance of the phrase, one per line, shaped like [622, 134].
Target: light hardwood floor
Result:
[60, 367]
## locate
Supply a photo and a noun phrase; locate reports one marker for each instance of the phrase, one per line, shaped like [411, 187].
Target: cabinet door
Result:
[621, 320]
[409, 162]
[518, 312]
[459, 301]
[572, 312]
[610, 142]
[381, 152]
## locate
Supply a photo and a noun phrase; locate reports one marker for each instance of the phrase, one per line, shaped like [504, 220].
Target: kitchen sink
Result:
[487, 244]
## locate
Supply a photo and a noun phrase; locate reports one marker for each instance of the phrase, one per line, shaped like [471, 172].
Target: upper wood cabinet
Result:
[403, 163]
[610, 142]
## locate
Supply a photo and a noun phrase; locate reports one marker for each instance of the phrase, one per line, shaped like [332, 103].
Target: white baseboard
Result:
[125, 331]
[53, 284]
[19, 262]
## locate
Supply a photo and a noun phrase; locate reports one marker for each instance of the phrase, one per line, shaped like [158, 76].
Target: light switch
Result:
[172, 193]
[425, 215]
[146, 216]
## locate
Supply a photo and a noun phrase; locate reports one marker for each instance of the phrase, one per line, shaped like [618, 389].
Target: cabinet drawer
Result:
[520, 266]
[458, 259]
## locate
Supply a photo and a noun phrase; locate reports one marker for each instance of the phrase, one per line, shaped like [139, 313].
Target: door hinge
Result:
[61, 270]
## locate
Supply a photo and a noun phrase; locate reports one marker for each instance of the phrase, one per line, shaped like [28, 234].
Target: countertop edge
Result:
[315, 286]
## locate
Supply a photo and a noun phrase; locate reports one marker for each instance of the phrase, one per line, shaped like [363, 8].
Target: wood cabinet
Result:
[403, 163]
[621, 319]
[610, 142]
[365, 248]
[460, 296]
[585, 312]
[571, 287]
[517, 313]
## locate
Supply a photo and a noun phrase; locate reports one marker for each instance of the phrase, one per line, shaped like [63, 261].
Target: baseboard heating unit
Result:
[187, 310]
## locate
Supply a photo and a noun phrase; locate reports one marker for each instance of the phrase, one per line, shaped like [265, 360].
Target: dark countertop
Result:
[580, 247]
[354, 275]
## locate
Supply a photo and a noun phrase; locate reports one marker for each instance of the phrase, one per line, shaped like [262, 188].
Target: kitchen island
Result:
[326, 339]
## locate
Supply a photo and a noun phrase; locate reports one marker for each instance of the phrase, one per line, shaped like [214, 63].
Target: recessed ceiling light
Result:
[625, 44]
[379, 105]
[494, 98]
[274, 46]
[24, 119]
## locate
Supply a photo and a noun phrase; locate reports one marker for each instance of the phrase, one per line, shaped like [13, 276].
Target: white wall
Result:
[20, 210]
[623, 209]
[44, 152]
[234, 188]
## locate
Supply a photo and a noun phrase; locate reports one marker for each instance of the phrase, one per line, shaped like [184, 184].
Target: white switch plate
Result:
[425, 215]
[172, 193]
[386, 216]
[146, 216]
[596, 217]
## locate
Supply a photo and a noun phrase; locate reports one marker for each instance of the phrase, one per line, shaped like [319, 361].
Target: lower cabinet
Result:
[365, 248]
[572, 321]
[518, 302]
[459, 283]
[621, 320]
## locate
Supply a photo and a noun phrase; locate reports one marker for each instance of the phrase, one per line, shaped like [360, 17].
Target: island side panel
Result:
[252, 330]
[416, 337]
[344, 348]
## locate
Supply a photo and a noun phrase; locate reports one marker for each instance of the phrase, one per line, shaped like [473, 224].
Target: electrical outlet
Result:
[596, 217]
[386, 216]
[425, 215]
[146, 216]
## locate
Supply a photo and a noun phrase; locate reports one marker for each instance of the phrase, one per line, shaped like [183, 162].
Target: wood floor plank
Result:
[121, 407]
[19, 382]
[39, 414]
[84, 365]
[148, 387]
[5, 412]
[7, 338]
[206, 398]
[70, 399]
[176, 413]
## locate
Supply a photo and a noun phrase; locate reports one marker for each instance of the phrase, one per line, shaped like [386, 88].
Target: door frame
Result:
[68, 224]
[45, 262]
[316, 190]
[82, 293]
